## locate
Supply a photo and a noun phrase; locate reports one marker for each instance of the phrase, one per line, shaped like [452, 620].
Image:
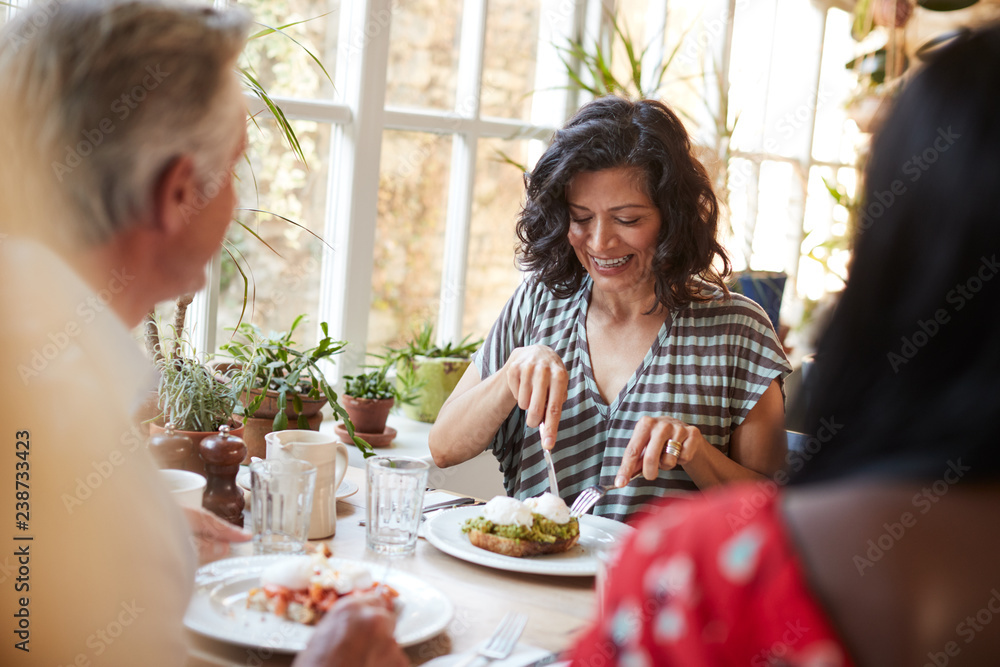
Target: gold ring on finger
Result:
[674, 447]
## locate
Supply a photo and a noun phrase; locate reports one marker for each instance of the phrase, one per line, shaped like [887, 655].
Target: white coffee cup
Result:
[186, 487]
[329, 455]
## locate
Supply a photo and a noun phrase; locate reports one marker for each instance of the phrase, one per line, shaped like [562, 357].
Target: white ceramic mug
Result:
[329, 455]
[185, 487]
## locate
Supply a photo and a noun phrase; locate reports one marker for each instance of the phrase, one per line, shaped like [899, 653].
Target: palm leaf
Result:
[291, 222]
[246, 280]
[279, 116]
[268, 30]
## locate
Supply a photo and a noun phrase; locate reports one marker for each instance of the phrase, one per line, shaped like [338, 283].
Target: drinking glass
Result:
[281, 503]
[395, 498]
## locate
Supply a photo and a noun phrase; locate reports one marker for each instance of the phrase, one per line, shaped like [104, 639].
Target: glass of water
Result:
[395, 500]
[281, 505]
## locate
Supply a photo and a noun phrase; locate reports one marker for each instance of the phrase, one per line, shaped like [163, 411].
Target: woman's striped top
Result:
[709, 365]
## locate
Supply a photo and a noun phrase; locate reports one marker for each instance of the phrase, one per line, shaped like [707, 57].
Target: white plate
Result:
[347, 487]
[218, 608]
[444, 531]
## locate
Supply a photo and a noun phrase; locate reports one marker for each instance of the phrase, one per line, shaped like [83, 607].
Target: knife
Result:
[544, 660]
[454, 502]
[553, 482]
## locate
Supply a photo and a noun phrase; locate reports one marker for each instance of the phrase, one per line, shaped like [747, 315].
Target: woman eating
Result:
[623, 352]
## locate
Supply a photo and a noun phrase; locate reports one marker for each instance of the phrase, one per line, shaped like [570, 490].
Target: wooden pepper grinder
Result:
[169, 448]
[222, 455]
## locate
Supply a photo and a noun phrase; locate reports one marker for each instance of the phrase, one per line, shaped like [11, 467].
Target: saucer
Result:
[347, 487]
[383, 439]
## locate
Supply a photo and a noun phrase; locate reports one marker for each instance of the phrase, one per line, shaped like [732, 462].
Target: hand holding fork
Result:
[589, 497]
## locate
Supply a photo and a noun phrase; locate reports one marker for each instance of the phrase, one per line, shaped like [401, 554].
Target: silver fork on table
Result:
[589, 497]
[503, 640]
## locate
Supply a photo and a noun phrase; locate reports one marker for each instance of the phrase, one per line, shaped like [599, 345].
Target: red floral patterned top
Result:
[708, 582]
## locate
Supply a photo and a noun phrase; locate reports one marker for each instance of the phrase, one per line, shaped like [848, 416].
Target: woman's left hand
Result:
[647, 450]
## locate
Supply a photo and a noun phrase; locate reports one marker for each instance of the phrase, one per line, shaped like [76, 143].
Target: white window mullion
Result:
[655, 53]
[411, 120]
[798, 233]
[553, 101]
[352, 206]
[202, 314]
[320, 111]
[463, 173]
[596, 22]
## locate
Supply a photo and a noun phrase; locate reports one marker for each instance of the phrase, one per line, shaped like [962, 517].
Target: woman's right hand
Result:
[537, 379]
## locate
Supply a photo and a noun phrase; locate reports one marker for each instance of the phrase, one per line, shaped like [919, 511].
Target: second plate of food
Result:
[218, 608]
[444, 531]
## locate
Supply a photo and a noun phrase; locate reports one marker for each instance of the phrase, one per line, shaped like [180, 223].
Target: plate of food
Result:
[536, 536]
[346, 489]
[273, 602]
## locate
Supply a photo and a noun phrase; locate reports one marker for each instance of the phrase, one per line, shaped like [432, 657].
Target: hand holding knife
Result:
[553, 481]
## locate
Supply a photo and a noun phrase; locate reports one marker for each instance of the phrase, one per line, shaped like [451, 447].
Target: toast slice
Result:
[520, 548]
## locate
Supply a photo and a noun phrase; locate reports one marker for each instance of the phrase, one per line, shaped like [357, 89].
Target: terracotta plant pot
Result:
[436, 377]
[194, 462]
[269, 406]
[367, 414]
[262, 421]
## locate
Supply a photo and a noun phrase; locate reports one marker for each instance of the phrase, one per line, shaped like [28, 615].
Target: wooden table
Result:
[557, 607]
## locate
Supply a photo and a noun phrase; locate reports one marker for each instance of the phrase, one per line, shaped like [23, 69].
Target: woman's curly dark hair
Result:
[614, 132]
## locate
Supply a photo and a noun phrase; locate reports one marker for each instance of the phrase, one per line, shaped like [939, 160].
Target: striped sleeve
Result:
[510, 331]
[758, 358]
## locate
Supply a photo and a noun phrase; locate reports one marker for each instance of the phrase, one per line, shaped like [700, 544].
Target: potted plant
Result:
[367, 399]
[191, 398]
[427, 373]
[287, 382]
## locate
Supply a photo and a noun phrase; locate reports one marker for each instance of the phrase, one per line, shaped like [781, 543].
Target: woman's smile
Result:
[614, 227]
[609, 267]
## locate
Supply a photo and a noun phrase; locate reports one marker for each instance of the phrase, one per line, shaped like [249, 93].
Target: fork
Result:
[589, 497]
[503, 640]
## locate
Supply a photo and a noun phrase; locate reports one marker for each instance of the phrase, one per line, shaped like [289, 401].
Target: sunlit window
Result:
[415, 122]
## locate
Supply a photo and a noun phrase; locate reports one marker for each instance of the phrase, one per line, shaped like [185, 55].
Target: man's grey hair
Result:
[101, 96]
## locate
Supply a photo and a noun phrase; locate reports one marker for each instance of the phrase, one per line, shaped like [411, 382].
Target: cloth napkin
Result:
[522, 656]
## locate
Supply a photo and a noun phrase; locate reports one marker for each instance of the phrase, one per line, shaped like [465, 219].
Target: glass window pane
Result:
[826, 247]
[835, 138]
[283, 67]
[749, 63]
[743, 175]
[509, 59]
[423, 54]
[774, 226]
[491, 274]
[280, 287]
[409, 241]
[631, 18]
[691, 45]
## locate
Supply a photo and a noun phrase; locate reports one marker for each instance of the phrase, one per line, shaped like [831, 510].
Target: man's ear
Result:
[174, 200]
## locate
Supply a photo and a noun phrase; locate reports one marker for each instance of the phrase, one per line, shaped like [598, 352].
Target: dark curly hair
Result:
[615, 132]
